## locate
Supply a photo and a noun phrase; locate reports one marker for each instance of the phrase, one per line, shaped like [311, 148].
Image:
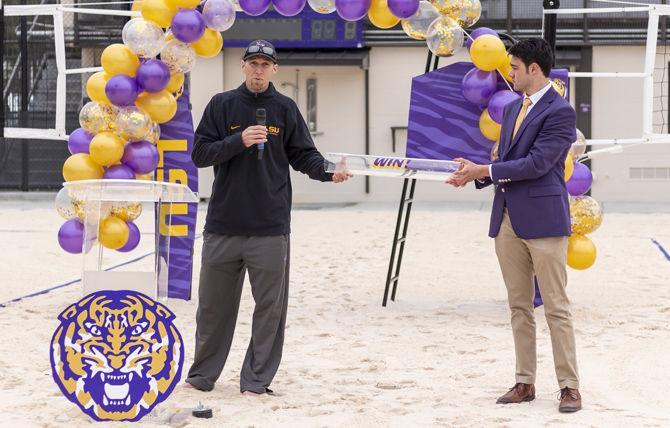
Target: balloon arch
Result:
[136, 92]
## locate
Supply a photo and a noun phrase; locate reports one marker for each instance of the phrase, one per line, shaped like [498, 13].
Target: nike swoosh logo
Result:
[235, 127]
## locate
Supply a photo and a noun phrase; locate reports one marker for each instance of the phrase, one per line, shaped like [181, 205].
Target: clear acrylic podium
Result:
[97, 196]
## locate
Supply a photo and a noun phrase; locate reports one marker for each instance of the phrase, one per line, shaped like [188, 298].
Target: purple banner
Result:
[175, 166]
[442, 123]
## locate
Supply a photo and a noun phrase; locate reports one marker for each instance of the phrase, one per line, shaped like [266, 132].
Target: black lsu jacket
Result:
[252, 197]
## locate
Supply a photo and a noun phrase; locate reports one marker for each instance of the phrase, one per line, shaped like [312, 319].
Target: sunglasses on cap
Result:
[265, 49]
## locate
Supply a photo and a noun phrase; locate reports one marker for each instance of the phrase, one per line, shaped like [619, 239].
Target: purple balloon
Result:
[352, 10]
[479, 86]
[581, 180]
[478, 32]
[188, 25]
[153, 75]
[119, 172]
[133, 238]
[289, 7]
[254, 7]
[498, 102]
[121, 90]
[71, 236]
[142, 157]
[403, 9]
[79, 141]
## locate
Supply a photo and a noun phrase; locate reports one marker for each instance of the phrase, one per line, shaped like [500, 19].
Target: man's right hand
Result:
[256, 134]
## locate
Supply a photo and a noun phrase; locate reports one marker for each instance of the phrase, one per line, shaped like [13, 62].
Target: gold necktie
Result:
[522, 114]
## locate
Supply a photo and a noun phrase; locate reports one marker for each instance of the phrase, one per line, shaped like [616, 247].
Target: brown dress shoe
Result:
[518, 394]
[571, 400]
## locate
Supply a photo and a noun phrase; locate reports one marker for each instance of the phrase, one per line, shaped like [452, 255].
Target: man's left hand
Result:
[468, 172]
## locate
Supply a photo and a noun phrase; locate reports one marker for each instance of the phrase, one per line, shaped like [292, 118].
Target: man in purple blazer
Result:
[530, 219]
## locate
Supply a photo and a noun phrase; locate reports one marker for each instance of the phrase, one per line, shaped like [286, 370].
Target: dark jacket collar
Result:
[269, 92]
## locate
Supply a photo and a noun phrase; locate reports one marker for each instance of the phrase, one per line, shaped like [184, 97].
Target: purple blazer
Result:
[528, 175]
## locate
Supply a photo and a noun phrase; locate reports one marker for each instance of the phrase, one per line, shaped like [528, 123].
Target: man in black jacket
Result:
[248, 219]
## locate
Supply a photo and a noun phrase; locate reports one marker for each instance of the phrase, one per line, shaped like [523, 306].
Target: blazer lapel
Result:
[506, 138]
[541, 106]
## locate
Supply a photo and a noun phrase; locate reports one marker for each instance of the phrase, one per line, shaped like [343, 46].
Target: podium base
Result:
[143, 282]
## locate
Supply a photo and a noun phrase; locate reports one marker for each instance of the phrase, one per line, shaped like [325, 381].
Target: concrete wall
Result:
[617, 113]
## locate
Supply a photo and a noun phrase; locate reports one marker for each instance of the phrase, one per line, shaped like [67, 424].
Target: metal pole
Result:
[24, 99]
[549, 25]
[2, 73]
[395, 242]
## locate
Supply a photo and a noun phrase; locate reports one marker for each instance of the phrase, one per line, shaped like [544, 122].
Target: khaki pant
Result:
[545, 258]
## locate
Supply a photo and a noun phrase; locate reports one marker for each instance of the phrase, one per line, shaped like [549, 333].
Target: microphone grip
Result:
[261, 116]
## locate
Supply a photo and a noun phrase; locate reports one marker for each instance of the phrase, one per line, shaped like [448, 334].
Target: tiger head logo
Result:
[116, 354]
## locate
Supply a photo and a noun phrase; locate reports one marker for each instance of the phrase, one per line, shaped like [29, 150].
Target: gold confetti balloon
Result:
[579, 146]
[133, 124]
[322, 6]
[126, 211]
[465, 12]
[416, 26]
[64, 205]
[446, 7]
[143, 37]
[586, 215]
[97, 117]
[154, 134]
[444, 37]
[178, 56]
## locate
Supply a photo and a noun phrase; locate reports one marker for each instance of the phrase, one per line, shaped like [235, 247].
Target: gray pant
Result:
[225, 259]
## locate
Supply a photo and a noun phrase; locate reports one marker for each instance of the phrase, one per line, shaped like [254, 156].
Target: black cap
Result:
[260, 48]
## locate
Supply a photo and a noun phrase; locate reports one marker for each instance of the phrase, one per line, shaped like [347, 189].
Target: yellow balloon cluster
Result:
[569, 166]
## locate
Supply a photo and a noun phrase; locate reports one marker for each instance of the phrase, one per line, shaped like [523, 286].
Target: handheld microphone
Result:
[261, 115]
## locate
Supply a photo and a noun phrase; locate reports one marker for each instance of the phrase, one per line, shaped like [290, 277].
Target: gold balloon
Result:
[80, 166]
[158, 11]
[161, 106]
[569, 166]
[95, 87]
[465, 12]
[581, 252]
[133, 124]
[586, 215]
[176, 82]
[489, 128]
[179, 57]
[209, 45]
[126, 211]
[137, 6]
[119, 59]
[558, 86]
[380, 15]
[154, 135]
[113, 233]
[106, 148]
[416, 26]
[579, 146]
[506, 68]
[184, 4]
[488, 52]
[444, 37]
[97, 117]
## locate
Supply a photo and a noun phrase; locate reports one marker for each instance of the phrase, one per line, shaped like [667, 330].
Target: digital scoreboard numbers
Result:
[306, 30]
